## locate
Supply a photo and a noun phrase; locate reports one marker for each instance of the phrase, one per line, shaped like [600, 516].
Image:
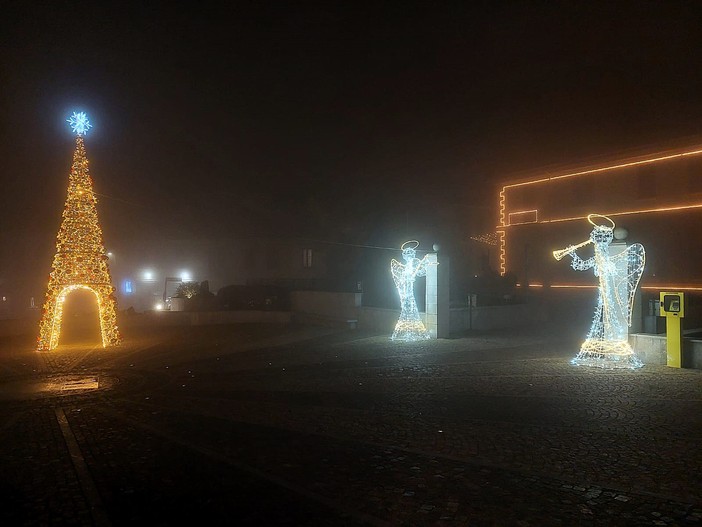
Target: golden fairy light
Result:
[80, 261]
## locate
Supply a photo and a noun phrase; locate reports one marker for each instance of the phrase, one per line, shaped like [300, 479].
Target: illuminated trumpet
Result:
[560, 254]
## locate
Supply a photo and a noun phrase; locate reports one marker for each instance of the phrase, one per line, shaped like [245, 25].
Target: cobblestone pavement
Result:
[284, 425]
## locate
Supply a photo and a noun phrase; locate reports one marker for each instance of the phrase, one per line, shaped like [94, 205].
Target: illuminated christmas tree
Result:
[80, 261]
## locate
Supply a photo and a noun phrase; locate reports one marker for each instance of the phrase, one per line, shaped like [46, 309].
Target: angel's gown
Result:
[409, 326]
[607, 343]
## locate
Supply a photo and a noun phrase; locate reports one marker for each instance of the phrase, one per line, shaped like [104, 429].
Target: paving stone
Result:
[297, 425]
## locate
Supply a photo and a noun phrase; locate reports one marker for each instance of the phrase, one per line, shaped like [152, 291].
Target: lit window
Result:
[523, 216]
[307, 257]
[128, 287]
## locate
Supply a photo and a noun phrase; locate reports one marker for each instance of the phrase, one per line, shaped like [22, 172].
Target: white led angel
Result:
[607, 343]
[409, 326]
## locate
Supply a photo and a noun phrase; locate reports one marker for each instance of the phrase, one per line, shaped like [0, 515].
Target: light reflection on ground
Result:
[53, 386]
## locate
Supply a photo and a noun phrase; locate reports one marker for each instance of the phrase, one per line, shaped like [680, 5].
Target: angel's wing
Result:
[423, 266]
[397, 269]
[625, 285]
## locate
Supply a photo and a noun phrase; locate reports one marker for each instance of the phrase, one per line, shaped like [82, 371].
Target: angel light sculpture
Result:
[607, 343]
[409, 327]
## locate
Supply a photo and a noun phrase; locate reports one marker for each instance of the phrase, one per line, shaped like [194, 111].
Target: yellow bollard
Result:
[673, 309]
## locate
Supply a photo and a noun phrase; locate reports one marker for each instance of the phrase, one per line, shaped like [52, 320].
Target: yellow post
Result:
[673, 309]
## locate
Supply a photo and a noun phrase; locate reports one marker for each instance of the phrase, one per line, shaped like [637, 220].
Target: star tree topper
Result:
[79, 123]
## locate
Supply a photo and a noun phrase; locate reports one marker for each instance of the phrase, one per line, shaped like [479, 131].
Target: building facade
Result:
[147, 276]
[656, 199]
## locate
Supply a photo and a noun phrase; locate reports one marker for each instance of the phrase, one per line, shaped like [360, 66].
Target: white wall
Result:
[338, 306]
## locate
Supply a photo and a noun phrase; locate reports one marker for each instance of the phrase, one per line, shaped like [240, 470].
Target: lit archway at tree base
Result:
[50, 326]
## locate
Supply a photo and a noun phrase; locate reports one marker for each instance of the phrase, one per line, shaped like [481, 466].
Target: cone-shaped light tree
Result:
[80, 261]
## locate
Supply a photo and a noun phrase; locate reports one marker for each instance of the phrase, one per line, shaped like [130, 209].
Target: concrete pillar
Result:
[431, 305]
[444, 305]
[437, 297]
[637, 314]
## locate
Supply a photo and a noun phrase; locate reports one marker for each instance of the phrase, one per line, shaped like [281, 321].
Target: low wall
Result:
[483, 318]
[379, 319]
[325, 308]
[328, 308]
[334, 305]
[198, 318]
[651, 349]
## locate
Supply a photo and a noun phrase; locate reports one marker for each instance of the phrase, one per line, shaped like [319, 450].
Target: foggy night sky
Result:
[348, 121]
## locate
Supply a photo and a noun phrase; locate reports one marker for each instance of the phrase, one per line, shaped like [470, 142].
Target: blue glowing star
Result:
[79, 123]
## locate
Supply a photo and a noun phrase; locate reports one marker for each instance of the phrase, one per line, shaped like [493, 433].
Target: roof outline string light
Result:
[605, 169]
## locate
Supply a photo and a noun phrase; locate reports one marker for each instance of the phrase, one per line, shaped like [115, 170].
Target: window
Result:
[128, 287]
[523, 216]
[307, 258]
